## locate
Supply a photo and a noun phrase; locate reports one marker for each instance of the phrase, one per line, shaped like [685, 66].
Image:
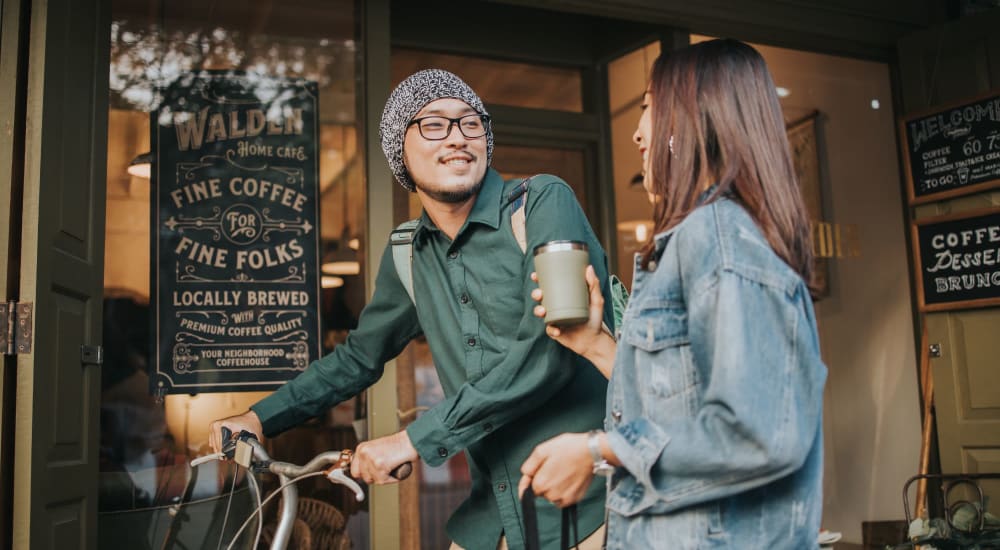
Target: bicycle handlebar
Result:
[341, 458]
[334, 464]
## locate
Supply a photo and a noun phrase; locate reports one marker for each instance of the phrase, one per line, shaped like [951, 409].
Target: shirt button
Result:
[471, 342]
[501, 487]
[616, 415]
[464, 299]
[442, 452]
[453, 254]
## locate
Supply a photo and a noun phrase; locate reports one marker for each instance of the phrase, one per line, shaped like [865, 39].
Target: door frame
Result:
[13, 90]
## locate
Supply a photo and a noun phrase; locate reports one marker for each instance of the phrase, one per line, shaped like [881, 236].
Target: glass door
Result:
[148, 437]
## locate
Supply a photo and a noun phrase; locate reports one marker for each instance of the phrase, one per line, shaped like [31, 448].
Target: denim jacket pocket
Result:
[656, 325]
[659, 333]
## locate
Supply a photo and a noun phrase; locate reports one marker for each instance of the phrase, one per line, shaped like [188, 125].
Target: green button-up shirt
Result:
[507, 385]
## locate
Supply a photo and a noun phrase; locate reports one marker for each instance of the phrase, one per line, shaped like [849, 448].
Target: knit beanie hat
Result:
[405, 102]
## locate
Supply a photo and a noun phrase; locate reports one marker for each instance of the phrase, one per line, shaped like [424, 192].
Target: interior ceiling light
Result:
[141, 166]
[341, 267]
[782, 91]
[638, 228]
[329, 281]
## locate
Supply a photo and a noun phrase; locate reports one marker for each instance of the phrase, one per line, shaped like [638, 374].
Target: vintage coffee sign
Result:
[234, 237]
[952, 151]
[958, 257]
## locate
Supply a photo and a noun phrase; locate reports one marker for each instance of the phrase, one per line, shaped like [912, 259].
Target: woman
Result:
[714, 426]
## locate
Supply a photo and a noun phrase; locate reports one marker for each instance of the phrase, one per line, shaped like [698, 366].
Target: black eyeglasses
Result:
[436, 128]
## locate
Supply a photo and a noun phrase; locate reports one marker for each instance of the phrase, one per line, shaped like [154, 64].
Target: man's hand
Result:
[559, 470]
[247, 421]
[589, 339]
[375, 460]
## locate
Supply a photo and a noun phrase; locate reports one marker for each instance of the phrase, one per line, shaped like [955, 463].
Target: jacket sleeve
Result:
[762, 398]
[386, 325]
[535, 367]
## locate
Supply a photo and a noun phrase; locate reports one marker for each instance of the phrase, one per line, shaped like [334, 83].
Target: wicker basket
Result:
[319, 525]
[326, 524]
[301, 538]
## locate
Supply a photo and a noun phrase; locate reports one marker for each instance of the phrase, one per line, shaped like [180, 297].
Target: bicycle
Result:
[246, 451]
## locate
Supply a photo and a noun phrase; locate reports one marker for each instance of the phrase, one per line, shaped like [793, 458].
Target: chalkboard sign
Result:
[958, 259]
[234, 237]
[952, 151]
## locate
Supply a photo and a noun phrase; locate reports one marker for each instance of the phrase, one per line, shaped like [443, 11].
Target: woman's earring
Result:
[670, 144]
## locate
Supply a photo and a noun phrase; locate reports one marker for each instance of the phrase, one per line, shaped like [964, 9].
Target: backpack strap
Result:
[517, 198]
[401, 239]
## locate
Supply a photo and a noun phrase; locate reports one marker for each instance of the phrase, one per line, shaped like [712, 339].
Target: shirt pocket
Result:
[658, 330]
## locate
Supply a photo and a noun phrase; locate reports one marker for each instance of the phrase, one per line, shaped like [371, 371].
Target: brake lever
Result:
[337, 473]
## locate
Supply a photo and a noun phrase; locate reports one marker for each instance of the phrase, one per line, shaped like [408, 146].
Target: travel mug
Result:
[560, 266]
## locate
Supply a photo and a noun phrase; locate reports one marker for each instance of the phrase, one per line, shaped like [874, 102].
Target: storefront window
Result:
[149, 496]
[500, 82]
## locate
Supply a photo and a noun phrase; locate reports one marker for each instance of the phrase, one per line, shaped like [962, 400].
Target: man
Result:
[508, 386]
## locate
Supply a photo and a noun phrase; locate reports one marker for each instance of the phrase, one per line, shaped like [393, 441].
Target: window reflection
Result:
[146, 444]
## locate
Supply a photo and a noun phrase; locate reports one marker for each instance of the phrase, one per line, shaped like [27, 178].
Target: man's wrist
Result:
[409, 449]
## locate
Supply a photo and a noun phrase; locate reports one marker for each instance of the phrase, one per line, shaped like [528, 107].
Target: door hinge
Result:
[92, 355]
[934, 350]
[15, 327]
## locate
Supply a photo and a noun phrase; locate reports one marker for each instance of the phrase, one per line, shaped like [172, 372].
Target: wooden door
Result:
[947, 64]
[62, 254]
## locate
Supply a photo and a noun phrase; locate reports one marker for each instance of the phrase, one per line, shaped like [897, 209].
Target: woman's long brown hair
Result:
[718, 101]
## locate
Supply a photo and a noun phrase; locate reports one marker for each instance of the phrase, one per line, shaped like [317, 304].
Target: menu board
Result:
[958, 260]
[234, 240]
[953, 151]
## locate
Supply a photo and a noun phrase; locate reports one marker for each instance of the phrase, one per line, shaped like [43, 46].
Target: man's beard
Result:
[451, 196]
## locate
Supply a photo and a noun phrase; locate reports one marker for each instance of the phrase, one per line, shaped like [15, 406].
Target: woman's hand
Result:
[589, 339]
[559, 470]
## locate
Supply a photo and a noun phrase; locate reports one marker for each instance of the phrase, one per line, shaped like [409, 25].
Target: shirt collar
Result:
[485, 210]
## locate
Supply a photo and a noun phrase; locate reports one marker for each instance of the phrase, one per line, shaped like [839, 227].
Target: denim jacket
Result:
[715, 403]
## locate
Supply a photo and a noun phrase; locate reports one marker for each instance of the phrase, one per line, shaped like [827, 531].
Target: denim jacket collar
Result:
[661, 239]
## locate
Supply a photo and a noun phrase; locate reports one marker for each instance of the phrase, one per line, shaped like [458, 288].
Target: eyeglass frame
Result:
[486, 119]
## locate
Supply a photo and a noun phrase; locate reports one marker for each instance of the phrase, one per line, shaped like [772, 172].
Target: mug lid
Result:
[557, 246]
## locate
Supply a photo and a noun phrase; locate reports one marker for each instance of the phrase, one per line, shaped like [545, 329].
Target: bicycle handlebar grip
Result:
[402, 471]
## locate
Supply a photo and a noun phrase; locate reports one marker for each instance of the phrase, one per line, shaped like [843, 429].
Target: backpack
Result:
[401, 239]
